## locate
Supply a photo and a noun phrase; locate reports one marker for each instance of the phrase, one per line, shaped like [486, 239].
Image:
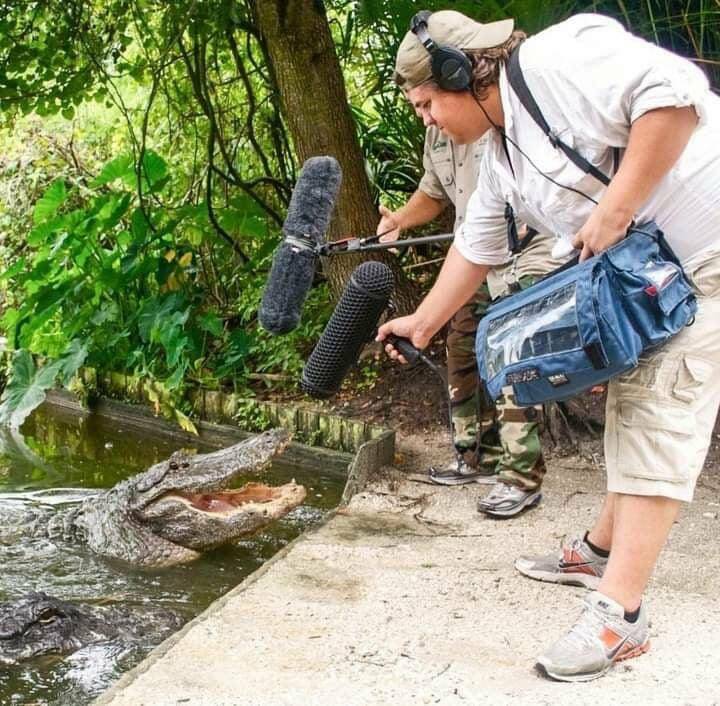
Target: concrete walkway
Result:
[409, 597]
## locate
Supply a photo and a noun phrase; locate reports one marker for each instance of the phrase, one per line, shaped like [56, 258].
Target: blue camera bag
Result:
[584, 324]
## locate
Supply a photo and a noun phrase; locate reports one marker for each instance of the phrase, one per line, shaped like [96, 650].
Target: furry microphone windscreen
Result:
[290, 280]
[293, 268]
[313, 199]
[351, 326]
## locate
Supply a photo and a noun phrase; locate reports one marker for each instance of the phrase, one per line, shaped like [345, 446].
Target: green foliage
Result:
[51, 52]
[27, 385]
[251, 417]
[50, 202]
[142, 194]
[153, 175]
[368, 374]
[129, 279]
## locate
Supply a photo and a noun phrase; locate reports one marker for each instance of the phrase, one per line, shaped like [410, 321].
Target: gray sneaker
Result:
[459, 473]
[508, 500]
[599, 639]
[575, 565]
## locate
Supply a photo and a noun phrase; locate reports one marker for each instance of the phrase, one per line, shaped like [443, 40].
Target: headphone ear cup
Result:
[451, 68]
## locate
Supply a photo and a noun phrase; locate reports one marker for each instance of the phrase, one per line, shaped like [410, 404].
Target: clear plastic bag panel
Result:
[546, 326]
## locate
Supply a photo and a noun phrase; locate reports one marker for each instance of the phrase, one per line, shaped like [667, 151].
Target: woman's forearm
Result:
[457, 282]
[419, 210]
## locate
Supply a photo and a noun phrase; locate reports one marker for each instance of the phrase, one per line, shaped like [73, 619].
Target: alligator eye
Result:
[46, 617]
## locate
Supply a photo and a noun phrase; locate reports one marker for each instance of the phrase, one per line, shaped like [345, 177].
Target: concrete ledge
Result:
[409, 597]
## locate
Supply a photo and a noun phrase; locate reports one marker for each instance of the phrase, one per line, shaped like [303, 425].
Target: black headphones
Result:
[451, 68]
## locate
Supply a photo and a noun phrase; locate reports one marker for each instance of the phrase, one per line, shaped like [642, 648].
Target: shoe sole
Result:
[635, 652]
[532, 501]
[576, 579]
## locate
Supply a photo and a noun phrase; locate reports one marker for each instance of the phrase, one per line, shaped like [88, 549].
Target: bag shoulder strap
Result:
[517, 81]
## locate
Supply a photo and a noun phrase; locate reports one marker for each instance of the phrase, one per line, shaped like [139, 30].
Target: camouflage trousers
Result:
[500, 436]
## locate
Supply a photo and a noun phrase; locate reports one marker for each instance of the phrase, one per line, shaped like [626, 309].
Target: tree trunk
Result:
[314, 102]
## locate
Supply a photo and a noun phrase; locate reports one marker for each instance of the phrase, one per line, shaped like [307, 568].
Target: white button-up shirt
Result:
[591, 79]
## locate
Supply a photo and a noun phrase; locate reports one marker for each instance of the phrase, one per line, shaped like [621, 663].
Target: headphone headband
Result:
[419, 27]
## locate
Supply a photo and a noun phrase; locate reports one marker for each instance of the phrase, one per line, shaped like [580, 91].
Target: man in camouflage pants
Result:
[493, 444]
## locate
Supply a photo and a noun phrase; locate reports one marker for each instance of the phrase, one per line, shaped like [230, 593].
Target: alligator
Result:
[37, 624]
[178, 508]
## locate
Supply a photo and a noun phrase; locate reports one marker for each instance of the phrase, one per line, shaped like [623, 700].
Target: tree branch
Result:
[196, 79]
[208, 200]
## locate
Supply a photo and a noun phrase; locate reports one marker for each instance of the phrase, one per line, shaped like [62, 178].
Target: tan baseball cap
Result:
[448, 27]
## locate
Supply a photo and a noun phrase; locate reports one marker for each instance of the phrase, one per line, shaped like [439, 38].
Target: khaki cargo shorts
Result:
[659, 417]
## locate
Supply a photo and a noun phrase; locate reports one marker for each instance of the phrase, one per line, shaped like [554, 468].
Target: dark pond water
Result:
[58, 450]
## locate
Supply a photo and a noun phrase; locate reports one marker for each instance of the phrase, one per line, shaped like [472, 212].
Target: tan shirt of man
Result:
[450, 177]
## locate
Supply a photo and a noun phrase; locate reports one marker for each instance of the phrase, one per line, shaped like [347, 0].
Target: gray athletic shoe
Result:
[599, 639]
[508, 500]
[576, 565]
[459, 473]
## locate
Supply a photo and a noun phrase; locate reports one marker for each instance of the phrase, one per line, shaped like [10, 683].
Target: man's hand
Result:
[410, 327]
[600, 231]
[389, 225]
[656, 141]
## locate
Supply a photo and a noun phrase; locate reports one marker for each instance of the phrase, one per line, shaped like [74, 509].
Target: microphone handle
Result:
[410, 353]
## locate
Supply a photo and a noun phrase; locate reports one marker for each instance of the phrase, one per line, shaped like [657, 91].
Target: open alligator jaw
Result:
[228, 502]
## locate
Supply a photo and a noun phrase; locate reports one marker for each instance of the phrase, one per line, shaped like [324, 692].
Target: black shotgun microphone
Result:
[295, 260]
[351, 326]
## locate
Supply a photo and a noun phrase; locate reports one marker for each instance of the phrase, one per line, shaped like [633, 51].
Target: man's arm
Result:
[656, 141]
[419, 210]
[457, 282]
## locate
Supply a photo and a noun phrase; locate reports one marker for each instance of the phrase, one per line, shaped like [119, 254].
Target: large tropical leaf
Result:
[121, 167]
[26, 388]
[49, 202]
[155, 171]
[155, 312]
[71, 360]
[28, 384]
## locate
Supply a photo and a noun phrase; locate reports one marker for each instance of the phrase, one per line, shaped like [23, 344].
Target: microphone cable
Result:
[412, 355]
[504, 137]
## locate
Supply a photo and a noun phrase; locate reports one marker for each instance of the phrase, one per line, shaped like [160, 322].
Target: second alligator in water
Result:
[37, 624]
